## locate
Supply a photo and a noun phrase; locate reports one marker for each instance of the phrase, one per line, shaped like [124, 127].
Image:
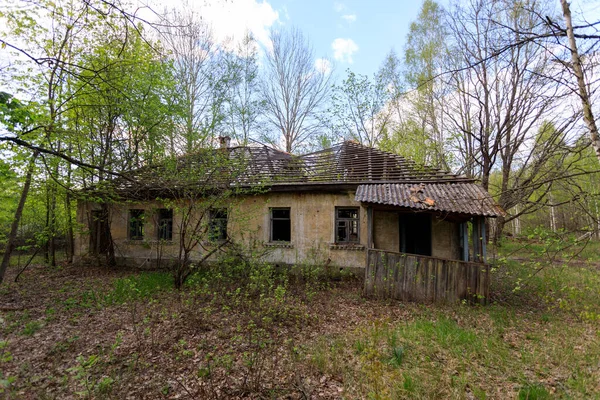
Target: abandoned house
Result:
[416, 233]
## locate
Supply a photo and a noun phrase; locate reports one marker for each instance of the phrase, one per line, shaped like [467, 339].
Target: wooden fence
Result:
[410, 277]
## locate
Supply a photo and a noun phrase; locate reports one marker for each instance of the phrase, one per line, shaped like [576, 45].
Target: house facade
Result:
[331, 207]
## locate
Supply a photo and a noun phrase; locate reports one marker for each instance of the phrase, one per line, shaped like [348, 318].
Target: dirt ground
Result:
[66, 334]
[60, 345]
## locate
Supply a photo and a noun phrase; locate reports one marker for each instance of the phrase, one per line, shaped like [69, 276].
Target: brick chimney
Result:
[224, 141]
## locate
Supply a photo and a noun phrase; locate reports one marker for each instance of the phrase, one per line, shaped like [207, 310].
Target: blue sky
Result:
[355, 34]
[374, 27]
[351, 33]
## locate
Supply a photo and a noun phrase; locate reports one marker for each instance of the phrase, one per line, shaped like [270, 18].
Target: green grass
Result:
[132, 288]
[139, 287]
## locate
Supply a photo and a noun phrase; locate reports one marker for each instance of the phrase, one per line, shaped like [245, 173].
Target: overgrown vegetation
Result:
[246, 329]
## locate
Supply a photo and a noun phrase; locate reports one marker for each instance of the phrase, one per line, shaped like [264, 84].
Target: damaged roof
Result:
[377, 176]
[457, 197]
[347, 162]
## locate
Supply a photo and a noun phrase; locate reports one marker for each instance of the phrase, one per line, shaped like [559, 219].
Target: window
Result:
[217, 227]
[136, 224]
[346, 225]
[165, 224]
[281, 226]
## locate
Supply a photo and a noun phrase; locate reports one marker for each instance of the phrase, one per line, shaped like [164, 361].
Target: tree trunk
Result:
[552, 213]
[15, 223]
[70, 236]
[588, 115]
[52, 226]
[109, 252]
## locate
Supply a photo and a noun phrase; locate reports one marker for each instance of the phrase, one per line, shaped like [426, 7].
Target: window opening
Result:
[281, 226]
[218, 224]
[347, 225]
[165, 224]
[136, 224]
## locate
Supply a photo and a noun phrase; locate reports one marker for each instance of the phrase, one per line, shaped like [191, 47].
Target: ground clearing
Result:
[82, 332]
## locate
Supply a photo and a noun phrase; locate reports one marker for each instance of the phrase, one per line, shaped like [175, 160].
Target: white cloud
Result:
[230, 20]
[343, 49]
[323, 65]
[350, 18]
[339, 7]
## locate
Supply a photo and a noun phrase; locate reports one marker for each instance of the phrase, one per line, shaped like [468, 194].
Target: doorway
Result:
[415, 233]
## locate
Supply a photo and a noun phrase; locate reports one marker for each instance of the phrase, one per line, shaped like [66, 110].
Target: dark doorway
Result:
[98, 234]
[415, 234]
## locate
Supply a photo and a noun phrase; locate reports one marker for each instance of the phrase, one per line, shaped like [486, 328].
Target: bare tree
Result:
[198, 72]
[294, 90]
[243, 100]
[499, 101]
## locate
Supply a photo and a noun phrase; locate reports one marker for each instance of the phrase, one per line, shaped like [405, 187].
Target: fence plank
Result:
[412, 277]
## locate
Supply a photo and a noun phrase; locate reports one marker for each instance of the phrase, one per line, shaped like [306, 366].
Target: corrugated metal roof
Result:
[460, 197]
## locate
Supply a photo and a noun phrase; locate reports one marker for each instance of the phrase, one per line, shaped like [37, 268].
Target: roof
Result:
[379, 177]
[347, 162]
[457, 197]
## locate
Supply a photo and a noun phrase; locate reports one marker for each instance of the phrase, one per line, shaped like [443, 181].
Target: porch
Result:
[425, 256]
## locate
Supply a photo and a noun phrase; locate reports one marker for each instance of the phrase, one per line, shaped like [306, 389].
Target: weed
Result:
[5, 355]
[397, 356]
[31, 328]
[533, 392]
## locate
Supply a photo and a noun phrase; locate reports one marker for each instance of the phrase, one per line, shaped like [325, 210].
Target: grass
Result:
[251, 332]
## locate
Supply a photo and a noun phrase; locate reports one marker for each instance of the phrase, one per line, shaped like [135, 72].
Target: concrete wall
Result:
[312, 231]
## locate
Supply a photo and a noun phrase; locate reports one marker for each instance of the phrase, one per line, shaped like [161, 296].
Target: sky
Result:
[353, 34]
[350, 34]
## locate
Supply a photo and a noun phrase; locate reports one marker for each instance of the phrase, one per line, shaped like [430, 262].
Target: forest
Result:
[501, 91]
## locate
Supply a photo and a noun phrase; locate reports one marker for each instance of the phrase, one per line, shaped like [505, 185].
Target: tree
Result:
[98, 84]
[497, 102]
[294, 90]
[243, 107]
[578, 72]
[203, 79]
[361, 108]
[425, 54]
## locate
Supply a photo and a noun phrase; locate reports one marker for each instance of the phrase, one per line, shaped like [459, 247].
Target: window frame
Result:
[348, 227]
[215, 222]
[271, 224]
[160, 220]
[136, 223]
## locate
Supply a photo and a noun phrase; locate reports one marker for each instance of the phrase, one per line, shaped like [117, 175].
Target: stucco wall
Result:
[312, 230]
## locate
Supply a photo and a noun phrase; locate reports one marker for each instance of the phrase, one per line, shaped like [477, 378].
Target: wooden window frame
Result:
[218, 224]
[347, 222]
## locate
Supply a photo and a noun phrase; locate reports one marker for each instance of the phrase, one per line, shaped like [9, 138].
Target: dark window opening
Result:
[217, 227]
[347, 225]
[136, 224]
[415, 234]
[165, 224]
[281, 226]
